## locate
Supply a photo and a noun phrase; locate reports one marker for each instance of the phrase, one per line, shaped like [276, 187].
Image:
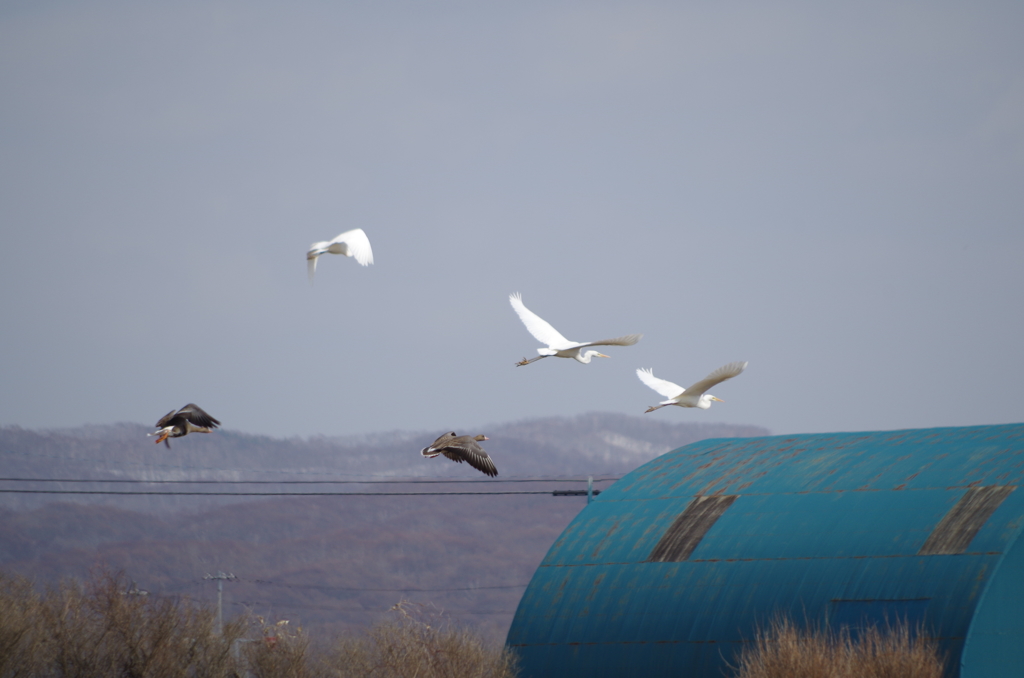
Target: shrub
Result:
[417, 643]
[782, 650]
[101, 630]
[20, 637]
[280, 653]
[896, 653]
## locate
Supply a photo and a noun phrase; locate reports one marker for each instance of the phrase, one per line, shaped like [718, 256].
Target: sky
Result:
[833, 192]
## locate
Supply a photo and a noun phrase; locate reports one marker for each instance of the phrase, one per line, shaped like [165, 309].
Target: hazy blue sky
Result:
[832, 191]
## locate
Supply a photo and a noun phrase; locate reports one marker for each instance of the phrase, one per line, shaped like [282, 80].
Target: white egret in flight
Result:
[189, 419]
[462, 449]
[559, 346]
[352, 243]
[696, 395]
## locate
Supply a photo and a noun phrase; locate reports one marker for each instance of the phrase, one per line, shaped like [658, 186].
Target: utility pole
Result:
[221, 578]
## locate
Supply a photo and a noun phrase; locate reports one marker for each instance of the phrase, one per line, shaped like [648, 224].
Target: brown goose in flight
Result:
[189, 419]
[462, 449]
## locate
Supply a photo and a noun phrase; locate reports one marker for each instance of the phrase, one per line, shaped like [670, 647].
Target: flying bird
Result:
[189, 419]
[352, 243]
[462, 449]
[696, 395]
[559, 346]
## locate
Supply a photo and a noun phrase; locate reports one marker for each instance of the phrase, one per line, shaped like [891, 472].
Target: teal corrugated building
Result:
[672, 569]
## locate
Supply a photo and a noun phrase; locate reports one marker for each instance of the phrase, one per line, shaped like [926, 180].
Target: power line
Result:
[385, 590]
[250, 604]
[263, 494]
[124, 464]
[410, 481]
[285, 493]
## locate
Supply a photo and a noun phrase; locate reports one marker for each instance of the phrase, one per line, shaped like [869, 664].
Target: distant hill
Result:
[594, 443]
[329, 562]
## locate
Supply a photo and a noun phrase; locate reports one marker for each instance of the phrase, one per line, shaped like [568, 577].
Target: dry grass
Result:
[100, 630]
[20, 637]
[896, 652]
[784, 651]
[280, 653]
[417, 643]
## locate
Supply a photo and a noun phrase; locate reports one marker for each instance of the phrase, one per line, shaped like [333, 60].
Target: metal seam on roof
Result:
[671, 642]
[794, 492]
[754, 560]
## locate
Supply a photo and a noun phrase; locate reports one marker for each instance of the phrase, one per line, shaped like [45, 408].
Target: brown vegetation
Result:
[106, 628]
[102, 630]
[782, 650]
[413, 643]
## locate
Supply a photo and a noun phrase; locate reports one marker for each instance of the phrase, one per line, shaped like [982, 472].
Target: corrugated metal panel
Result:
[822, 525]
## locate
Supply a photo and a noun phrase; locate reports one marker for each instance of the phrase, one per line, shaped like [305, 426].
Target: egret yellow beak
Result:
[716, 399]
[602, 355]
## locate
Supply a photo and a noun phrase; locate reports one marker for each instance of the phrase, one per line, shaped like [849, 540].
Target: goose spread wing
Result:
[541, 329]
[358, 245]
[166, 419]
[717, 377]
[470, 452]
[195, 414]
[662, 386]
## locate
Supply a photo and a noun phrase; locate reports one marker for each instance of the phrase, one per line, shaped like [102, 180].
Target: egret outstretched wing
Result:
[627, 340]
[352, 243]
[538, 327]
[358, 245]
[662, 386]
[717, 377]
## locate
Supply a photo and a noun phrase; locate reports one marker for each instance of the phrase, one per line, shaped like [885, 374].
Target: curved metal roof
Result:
[673, 568]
